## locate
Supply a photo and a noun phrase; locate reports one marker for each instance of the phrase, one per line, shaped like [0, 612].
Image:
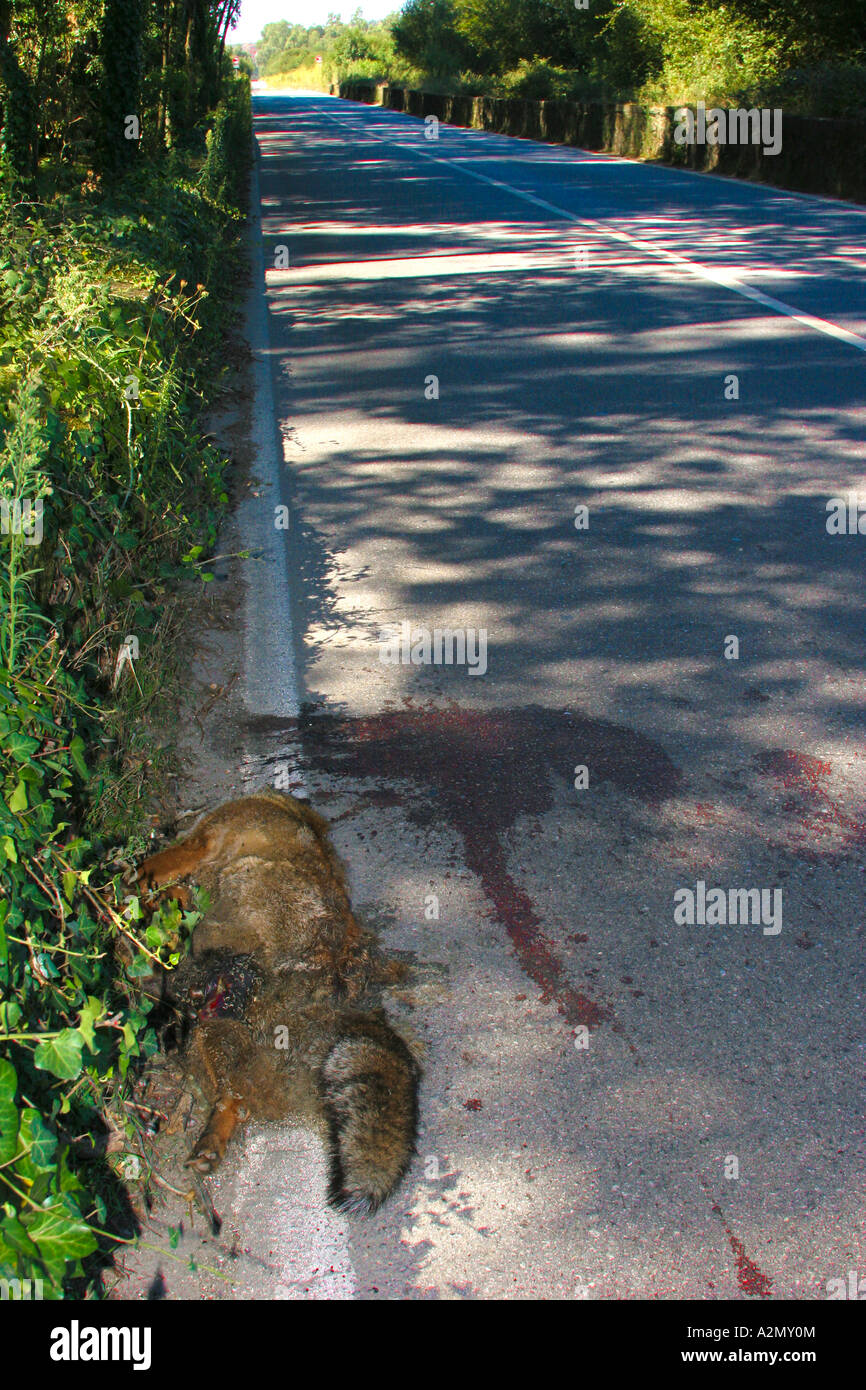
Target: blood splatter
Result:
[750, 1278]
[798, 770]
[482, 769]
[812, 807]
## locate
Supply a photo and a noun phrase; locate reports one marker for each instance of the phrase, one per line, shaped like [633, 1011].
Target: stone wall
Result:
[817, 156]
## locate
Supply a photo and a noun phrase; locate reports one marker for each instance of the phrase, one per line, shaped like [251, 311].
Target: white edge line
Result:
[270, 688]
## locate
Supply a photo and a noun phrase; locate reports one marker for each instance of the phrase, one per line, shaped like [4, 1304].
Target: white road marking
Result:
[278, 1197]
[278, 1201]
[726, 279]
[270, 678]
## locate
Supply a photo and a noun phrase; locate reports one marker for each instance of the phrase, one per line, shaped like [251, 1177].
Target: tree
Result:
[120, 115]
[426, 35]
[18, 131]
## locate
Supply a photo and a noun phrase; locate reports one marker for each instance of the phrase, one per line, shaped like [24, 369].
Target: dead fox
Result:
[282, 987]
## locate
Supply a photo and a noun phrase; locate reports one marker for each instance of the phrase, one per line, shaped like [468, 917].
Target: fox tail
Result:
[369, 1087]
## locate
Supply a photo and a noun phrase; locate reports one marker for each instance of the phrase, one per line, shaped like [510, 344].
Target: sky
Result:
[256, 13]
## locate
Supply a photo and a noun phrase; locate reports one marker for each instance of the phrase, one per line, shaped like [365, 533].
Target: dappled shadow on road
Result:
[787, 243]
[562, 386]
[568, 379]
[573, 371]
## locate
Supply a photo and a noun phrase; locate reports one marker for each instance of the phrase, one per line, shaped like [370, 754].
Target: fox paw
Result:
[226, 1115]
[203, 1159]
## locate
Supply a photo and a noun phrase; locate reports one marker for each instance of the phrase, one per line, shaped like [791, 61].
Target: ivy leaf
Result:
[139, 967]
[38, 1138]
[87, 1019]
[18, 799]
[76, 753]
[10, 1012]
[8, 1112]
[40, 1186]
[58, 1234]
[20, 747]
[61, 1055]
[7, 844]
[13, 1234]
[47, 966]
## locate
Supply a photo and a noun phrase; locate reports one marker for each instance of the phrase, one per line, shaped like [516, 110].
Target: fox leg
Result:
[177, 861]
[225, 1117]
[174, 891]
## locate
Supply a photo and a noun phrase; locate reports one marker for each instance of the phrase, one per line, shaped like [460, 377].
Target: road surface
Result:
[471, 339]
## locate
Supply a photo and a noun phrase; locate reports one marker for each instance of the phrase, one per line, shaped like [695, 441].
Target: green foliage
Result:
[70, 1021]
[805, 52]
[113, 310]
[426, 35]
[17, 120]
[826, 89]
[701, 53]
[228, 145]
[812, 31]
[359, 49]
[73, 71]
[541, 81]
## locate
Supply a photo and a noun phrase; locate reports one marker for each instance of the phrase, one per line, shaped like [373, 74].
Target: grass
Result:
[114, 308]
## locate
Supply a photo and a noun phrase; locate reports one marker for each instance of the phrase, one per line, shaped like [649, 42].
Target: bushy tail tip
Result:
[369, 1084]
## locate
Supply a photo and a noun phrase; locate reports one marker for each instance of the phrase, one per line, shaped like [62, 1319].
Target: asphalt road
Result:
[617, 1103]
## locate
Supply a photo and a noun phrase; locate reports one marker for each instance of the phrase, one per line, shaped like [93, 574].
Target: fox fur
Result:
[282, 988]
